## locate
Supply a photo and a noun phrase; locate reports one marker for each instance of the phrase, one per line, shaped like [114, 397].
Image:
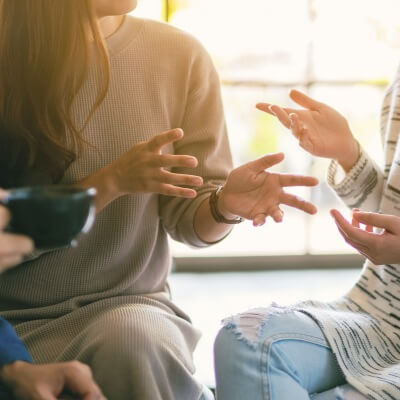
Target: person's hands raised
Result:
[253, 193]
[320, 129]
[145, 169]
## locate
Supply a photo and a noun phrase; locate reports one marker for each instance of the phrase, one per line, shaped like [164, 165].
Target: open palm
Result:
[254, 193]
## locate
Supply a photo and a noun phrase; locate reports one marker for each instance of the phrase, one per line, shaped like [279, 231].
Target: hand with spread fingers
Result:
[380, 246]
[254, 193]
[321, 130]
[145, 169]
[12, 247]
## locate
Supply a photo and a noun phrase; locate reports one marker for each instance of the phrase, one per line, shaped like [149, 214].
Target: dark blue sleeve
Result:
[11, 347]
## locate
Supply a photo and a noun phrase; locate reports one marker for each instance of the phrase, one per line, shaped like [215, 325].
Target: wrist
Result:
[104, 181]
[226, 218]
[351, 157]
[220, 204]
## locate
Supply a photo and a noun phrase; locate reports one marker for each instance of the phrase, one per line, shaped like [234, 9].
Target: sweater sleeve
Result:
[11, 347]
[362, 186]
[205, 138]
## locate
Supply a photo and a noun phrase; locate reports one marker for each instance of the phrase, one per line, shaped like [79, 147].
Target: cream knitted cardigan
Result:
[363, 327]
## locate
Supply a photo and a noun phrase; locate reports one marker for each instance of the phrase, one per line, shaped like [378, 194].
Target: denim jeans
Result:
[289, 360]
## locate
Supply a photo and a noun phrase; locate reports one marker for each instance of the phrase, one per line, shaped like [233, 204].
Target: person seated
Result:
[347, 348]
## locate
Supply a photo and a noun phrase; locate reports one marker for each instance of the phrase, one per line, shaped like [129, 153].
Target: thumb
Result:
[265, 162]
[305, 101]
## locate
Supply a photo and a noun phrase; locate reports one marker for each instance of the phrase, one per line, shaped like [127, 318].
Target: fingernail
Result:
[257, 223]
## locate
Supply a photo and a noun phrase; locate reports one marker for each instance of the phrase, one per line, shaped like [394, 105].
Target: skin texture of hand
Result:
[47, 382]
[144, 169]
[12, 247]
[254, 193]
[379, 247]
[320, 129]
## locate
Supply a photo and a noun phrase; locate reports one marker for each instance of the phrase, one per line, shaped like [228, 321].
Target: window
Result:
[341, 52]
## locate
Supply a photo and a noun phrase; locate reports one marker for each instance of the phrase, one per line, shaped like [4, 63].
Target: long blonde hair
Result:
[45, 54]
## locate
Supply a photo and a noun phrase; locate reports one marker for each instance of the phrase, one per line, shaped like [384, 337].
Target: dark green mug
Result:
[53, 216]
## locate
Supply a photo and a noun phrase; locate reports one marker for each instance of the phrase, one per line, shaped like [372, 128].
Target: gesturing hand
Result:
[254, 193]
[144, 169]
[320, 129]
[47, 382]
[379, 248]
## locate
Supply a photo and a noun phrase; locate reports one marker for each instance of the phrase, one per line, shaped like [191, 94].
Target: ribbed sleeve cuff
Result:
[358, 184]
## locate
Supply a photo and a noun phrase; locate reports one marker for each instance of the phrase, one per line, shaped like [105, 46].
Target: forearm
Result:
[207, 229]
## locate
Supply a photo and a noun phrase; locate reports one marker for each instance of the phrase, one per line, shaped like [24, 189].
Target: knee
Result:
[225, 346]
[133, 338]
[230, 352]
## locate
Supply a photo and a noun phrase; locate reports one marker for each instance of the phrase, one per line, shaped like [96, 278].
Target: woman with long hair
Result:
[84, 92]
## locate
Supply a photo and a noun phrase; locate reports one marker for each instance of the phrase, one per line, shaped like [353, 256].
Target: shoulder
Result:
[164, 36]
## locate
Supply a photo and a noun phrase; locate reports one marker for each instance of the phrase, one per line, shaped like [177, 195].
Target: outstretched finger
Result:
[351, 240]
[158, 141]
[352, 233]
[305, 101]
[171, 190]
[276, 214]
[259, 220]
[297, 180]
[173, 160]
[265, 162]
[179, 179]
[266, 107]
[281, 114]
[389, 222]
[297, 202]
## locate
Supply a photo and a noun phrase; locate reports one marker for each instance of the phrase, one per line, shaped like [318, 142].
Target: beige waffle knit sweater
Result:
[106, 301]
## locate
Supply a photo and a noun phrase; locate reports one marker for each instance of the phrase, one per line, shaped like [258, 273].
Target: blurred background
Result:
[342, 52]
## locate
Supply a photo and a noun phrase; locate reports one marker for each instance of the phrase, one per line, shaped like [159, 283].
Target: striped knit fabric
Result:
[363, 327]
[107, 302]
